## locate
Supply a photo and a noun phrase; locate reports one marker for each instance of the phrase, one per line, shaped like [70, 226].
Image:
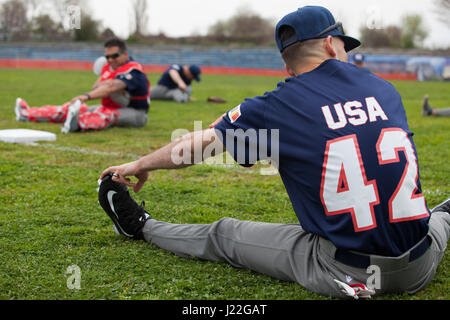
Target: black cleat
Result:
[444, 206]
[426, 108]
[128, 217]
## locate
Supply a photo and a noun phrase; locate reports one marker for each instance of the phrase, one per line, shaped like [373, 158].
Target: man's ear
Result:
[289, 71]
[329, 46]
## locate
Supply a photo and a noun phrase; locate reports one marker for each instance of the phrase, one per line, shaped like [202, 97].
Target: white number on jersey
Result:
[345, 188]
[344, 184]
[403, 204]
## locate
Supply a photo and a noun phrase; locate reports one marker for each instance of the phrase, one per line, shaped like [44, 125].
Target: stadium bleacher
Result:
[219, 59]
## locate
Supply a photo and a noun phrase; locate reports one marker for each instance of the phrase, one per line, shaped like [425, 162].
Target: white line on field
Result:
[86, 151]
[214, 161]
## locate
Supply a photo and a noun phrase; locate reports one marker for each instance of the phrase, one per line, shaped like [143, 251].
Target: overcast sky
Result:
[185, 17]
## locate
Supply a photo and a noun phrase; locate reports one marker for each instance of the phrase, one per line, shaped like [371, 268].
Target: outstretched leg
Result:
[428, 110]
[46, 113]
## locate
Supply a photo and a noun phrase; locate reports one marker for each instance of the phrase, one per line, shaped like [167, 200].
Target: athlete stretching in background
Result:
[428, 110]
[122, 87]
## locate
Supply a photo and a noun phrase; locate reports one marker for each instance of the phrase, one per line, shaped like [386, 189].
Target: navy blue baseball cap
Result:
[358, 57]
[195, 70]
[312, 22]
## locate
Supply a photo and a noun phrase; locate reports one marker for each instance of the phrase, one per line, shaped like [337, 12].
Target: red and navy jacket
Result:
[138, 85]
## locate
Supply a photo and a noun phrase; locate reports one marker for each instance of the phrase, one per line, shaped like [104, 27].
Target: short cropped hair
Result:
[116, 42]
[295, 53]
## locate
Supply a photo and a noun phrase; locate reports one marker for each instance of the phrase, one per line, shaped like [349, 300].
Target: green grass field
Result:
[50, 218]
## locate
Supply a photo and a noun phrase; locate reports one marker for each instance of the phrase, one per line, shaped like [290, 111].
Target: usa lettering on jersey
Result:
[353, 112]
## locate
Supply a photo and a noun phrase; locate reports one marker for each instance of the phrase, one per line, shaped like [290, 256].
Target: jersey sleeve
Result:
[176, 67]
[135, 81]
[244, 134]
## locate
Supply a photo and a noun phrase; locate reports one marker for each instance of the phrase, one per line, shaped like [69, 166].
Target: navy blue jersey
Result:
[340, 138]
[138, 88]
[167, 81]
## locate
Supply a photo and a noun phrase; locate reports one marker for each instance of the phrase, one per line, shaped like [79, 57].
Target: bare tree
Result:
[89, 30]
[388, 37]
[139, 16]
[442, 10]
[44, 28]
[245, 25]
[14, 22]
[33, 7]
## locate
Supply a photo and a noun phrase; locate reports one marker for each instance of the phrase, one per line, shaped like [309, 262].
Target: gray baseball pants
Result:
[159, 92]
[444, 112]
[287, 252]
[130, 117]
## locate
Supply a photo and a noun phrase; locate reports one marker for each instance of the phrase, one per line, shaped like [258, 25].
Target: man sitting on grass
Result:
[339, 137]
[123, 88]
[175, 83]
